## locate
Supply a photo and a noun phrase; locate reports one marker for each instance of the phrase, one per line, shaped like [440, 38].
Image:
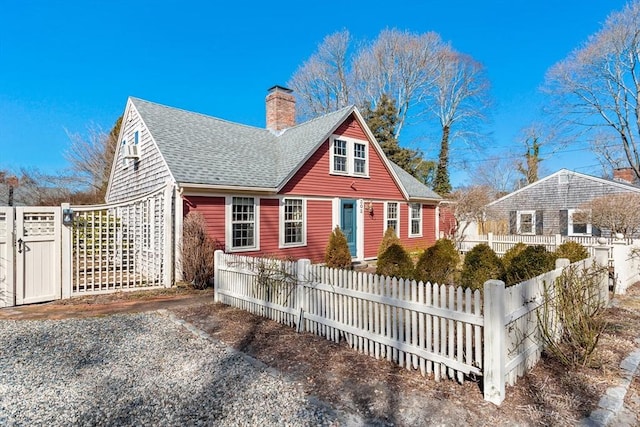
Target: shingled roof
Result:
[201, 149]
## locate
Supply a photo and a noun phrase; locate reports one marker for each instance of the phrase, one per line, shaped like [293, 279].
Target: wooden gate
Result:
[37, 254]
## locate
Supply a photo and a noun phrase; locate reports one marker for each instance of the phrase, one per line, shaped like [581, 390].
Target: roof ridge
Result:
[323, 116]
[195, 113]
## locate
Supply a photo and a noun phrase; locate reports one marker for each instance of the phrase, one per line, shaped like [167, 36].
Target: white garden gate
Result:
[95, 249]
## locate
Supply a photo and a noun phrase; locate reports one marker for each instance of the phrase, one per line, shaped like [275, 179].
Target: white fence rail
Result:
[444, 331]
[501, 243]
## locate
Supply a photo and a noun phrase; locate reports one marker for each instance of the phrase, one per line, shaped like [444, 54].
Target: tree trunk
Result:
[441, 184]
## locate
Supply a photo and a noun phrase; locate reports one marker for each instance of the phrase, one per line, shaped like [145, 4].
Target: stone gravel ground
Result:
[138, 369]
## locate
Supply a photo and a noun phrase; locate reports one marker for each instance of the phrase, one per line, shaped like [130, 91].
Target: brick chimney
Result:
[281, 108]
[625, 175]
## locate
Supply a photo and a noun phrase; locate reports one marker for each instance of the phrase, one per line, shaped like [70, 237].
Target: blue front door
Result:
[348, 223]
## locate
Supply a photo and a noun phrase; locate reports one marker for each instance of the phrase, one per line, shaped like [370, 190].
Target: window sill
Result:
[237, 250]
[292, 245]
[351, 175]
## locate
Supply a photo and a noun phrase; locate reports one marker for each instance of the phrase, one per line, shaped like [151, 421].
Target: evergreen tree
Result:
[383, 121]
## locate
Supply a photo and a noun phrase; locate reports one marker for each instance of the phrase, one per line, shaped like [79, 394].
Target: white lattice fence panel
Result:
[118, 247]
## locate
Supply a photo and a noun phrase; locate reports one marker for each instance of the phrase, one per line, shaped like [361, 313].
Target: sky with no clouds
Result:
[70, 66]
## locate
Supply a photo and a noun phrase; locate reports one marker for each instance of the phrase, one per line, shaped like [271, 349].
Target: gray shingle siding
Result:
[131, 179]
[560, 191]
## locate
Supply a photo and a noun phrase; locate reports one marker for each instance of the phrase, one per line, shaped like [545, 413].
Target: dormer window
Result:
[349, 156]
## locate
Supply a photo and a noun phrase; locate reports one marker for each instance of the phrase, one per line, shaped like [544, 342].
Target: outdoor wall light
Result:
[369, 207]
[67, 217]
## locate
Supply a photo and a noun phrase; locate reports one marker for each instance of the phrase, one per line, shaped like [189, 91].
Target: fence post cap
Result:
[602, 241]
[562, 262]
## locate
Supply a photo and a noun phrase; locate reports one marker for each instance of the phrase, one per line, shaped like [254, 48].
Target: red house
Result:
[276, 191]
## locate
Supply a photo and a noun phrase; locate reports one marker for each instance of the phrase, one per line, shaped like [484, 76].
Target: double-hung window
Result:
[578, 223]
[415, 220]
[349, 157]
[293, 222]
[340, 155]
[526, 222]
[392, 217]
[243, 223]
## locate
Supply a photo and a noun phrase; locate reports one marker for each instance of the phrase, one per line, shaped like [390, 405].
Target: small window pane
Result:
[392, 216]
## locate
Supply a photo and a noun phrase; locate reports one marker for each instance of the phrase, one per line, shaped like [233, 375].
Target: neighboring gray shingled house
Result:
[547, 205]
[279, 190]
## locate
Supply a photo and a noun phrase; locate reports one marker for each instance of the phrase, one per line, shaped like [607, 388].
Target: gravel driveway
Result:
[137, 369]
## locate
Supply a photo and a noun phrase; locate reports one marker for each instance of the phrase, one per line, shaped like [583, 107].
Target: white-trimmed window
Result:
[243, 223]
[131, 149]
[415, 220]
[349, 156]
[526, 222]
[578, 225]
[293, 224]
[392, 217]
[339, 155]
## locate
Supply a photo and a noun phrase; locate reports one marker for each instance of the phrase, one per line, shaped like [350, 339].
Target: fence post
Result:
[558, 241]
[167, 230]
[621, 258]
[494, 342]
[66, 259]
[218, 259]
[490, 240]
[302, 270]
[602, 260]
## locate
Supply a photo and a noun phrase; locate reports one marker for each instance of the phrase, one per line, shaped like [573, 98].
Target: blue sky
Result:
[70, 65]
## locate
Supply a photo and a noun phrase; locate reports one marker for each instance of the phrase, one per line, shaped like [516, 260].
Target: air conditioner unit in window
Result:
[131, 151]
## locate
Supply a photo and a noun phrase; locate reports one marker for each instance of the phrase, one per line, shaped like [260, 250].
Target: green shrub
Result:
[573, 251]
[198, 251]
[511, 253]
[438, 263]
[531, 262]
[337, 254]
[480, 264]
[395, 262]
[390, 237]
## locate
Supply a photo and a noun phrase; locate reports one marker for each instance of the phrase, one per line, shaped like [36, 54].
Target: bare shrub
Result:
[572, 319]
[198, 251]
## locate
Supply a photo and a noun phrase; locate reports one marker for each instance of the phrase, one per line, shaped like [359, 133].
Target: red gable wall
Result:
[313, 179]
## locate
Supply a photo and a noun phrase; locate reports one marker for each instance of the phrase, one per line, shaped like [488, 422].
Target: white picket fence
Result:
[501, 243]
[444, 331]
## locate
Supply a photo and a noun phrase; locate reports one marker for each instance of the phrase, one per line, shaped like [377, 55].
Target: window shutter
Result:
[539, 223]
[513, 222]
[564, 222]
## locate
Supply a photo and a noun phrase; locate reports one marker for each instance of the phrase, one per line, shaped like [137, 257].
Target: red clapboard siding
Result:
[428, 228]
[313, 178]
[213, 211]
[373, 230]
[318, 231]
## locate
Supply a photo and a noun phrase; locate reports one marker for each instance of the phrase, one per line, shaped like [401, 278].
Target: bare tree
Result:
[596, 88]
[398, 64]
[323, 82]
[460, 98]
[469, 207]
[614, 213]
[401, 65]
[91, 158]
[496, 173]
